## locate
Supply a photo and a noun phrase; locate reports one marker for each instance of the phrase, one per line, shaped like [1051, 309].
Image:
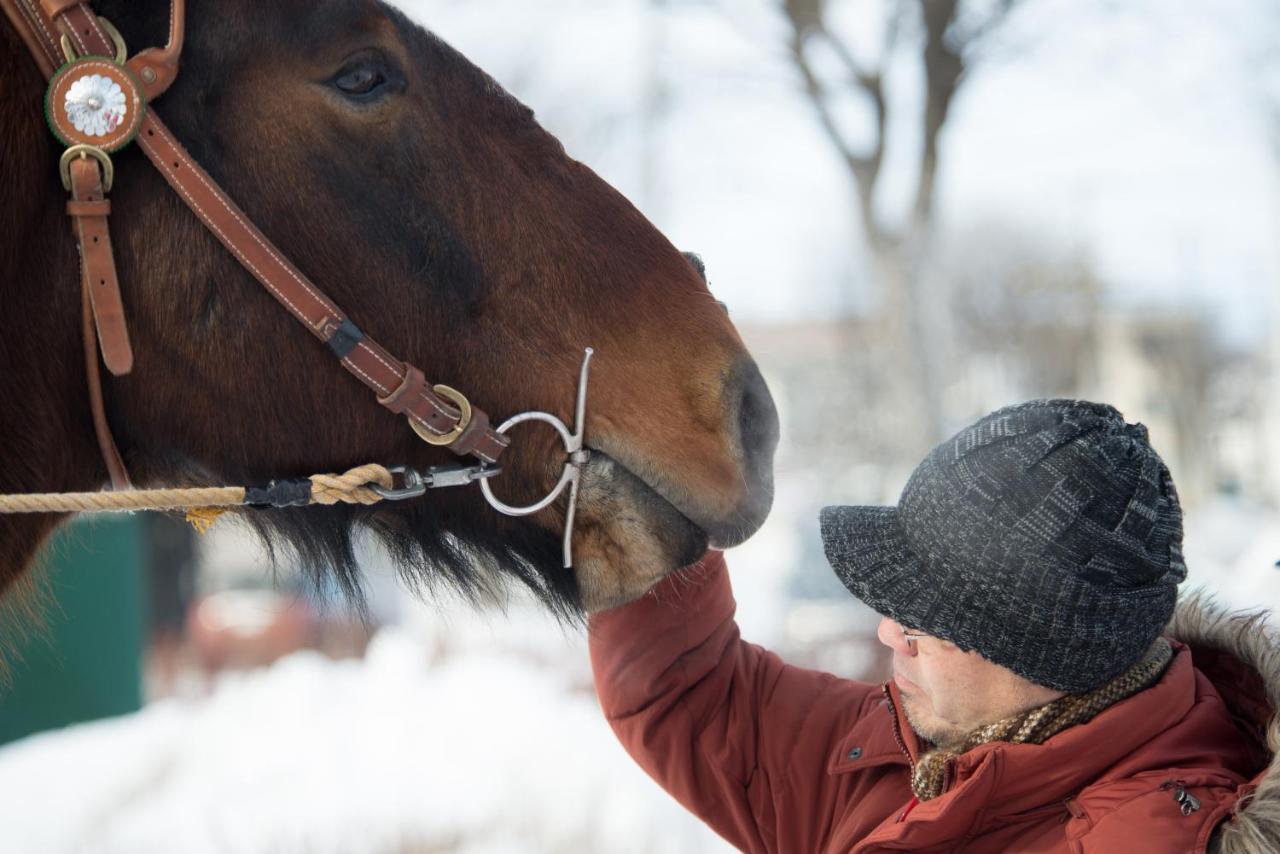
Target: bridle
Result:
[96, 104]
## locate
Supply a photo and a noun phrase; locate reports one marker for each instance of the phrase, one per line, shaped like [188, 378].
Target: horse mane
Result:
[465, 554]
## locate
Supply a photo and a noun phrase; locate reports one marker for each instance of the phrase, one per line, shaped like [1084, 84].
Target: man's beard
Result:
[937, 735]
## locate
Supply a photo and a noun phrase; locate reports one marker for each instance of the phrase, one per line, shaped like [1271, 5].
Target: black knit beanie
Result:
[1047, 537]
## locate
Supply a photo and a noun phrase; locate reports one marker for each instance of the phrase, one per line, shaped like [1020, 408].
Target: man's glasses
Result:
[911, 637]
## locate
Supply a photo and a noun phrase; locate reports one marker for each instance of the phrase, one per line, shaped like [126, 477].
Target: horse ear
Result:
[696, 260]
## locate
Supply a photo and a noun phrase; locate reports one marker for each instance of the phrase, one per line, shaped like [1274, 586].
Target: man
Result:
[1038, 703]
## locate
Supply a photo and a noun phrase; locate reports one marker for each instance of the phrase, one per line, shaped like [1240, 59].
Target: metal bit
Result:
[576, 456]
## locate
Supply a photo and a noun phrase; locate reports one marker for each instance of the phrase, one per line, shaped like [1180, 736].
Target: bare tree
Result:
[946, 35]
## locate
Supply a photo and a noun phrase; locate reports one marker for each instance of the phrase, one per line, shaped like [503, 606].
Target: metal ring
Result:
[108, 168]
[570, 476]
[570, 473]
[122, 52]
[457, 398]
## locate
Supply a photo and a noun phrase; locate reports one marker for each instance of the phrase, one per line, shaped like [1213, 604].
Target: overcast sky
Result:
[1133, 132]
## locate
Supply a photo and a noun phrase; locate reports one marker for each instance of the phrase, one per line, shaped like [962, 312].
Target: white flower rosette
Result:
[96, 105]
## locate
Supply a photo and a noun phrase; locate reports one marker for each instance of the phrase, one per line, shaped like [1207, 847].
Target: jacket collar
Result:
[870, 743]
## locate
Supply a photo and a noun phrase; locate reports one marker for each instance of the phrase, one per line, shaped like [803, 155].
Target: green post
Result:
[88, 663]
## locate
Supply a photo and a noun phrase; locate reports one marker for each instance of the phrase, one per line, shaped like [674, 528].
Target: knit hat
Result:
[1047, 537]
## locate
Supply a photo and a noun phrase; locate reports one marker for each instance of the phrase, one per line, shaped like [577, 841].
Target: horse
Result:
[433, 207]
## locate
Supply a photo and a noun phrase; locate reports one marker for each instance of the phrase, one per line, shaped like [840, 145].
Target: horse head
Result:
[431, 205]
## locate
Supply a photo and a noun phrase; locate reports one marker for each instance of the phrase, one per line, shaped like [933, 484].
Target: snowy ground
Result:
[490, 741]
[460, 731]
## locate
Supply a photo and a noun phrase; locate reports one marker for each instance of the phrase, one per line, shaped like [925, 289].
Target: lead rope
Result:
[362, 485]
[366, 485]
[357, 486]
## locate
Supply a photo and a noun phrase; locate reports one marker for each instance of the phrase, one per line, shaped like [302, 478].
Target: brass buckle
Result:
[122, 52]
[458, 399]
[108, 168]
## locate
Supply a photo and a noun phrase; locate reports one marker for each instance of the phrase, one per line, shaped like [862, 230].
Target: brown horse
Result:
[430, 204]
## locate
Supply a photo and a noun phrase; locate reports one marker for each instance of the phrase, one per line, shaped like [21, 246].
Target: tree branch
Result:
[805, 17]
[944, 67]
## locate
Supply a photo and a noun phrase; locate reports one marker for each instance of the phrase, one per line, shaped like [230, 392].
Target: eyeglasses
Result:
[911, 637]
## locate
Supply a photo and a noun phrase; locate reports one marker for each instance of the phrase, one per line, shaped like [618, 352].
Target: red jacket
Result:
[779, 758]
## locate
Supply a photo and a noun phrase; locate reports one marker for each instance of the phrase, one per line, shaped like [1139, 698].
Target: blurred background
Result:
[917, 211]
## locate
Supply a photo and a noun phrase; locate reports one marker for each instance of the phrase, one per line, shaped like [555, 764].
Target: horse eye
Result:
[362, 81]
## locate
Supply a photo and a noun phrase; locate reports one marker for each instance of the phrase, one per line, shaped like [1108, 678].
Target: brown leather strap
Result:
[413, 383]
[480, 440]
[88, 210]
[53, 8]
[36, 33]
[102, 208]
[360, 355]
[106, 442]
[76, 21]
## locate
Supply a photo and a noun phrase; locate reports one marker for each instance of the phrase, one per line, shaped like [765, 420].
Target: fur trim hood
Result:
[1240, 654]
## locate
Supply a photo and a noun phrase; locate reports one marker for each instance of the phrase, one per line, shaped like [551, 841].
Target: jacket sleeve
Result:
[738, 737]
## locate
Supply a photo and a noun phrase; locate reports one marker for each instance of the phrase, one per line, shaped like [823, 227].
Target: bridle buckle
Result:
[122, 52]
[104, 159]
[459, 400]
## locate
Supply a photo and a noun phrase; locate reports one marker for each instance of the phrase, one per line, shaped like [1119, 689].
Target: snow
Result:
[443, 740]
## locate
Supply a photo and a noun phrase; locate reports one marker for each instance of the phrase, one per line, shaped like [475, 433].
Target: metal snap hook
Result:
[413, 485]
[575, 457]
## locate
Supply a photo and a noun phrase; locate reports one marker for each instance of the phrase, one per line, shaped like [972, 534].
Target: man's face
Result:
[947, 693]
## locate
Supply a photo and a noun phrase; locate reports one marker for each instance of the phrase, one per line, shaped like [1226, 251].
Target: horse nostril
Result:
[757, 423]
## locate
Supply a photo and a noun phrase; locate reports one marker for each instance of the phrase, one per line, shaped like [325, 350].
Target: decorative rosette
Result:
[96, 105]
[95, 102]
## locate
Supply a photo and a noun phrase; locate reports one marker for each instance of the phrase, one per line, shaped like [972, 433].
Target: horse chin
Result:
[627, 537]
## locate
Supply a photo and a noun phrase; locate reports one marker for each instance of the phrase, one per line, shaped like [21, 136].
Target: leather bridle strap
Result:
[27, 22]
[106, 442]
[89, 210]
[399, 386]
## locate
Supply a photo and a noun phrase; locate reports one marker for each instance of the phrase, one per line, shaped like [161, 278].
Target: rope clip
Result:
[416, 483]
